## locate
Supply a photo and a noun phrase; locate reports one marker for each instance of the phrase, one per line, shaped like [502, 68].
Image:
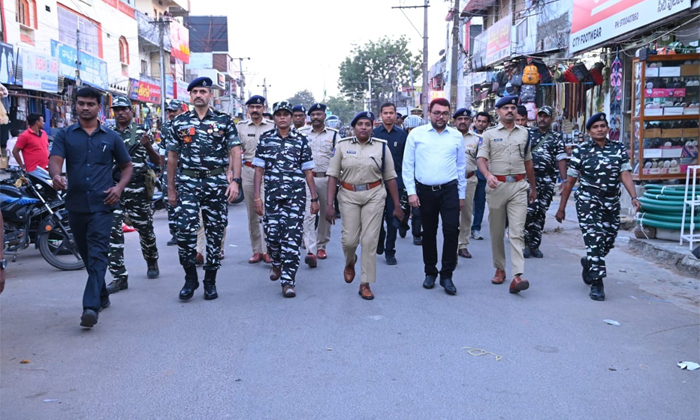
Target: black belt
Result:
[600, 192]
[195, 173]
[437, 187]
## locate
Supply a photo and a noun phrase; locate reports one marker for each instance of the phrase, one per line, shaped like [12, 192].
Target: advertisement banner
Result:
[144, 91]
[179, 41]
[39, 72]
[181, 91]
[93, 71]
[7, 64]
[595, 22]
[498, 40]
[169, 87]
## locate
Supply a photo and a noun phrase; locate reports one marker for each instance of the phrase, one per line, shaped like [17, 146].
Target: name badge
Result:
[497, 139]
[251, 135]
[352, 152]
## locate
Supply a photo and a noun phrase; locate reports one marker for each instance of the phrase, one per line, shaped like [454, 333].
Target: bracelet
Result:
[635, 198]
[257, 199]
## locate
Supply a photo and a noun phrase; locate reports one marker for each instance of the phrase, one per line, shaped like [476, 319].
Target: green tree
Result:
[343, 108]
[303, 97]
[387, 62]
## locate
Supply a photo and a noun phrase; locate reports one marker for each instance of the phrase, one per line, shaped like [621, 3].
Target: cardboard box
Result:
[673, 110]
[670, 71]
[691, 132]
[4, 162]
[669, 133]
[652, 132]
[690, 70]
[651, 72]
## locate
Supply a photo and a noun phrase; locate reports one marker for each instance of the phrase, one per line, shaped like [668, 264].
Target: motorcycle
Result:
[34, 213]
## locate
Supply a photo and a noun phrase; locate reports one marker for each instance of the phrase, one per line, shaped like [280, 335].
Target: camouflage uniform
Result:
[135, 205]
[165, 134]
[203, 147]
[547, 150]
[598, 198]
[284, 160]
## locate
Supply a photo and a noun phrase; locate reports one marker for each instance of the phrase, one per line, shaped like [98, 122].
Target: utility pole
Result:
[162, 24]
[425, 93]
[369, 106]
[78, 82]
[242, 97]
[265, 86]
[454, 81]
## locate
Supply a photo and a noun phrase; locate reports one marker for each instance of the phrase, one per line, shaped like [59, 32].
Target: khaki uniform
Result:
[506, 154]
[360, 164]
[250, 135]
[471, 145]
[321, 148]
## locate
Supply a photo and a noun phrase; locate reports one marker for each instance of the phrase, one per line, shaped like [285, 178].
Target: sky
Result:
[297, 45]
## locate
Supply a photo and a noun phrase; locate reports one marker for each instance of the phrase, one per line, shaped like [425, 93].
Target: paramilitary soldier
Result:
[506, 162]
[322, 140]
[249, 131]
[463, 120]
[284, 159]
[600, 164]
[173, 109]
[548, 154]
[204, 143]
[134, 202]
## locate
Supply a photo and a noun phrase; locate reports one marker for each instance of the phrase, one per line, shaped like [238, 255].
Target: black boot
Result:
[597, 290]
[585, 272]
[153, 271]
[191, 283]
[210, 285]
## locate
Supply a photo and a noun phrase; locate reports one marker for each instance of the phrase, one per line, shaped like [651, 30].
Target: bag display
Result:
[531, 76]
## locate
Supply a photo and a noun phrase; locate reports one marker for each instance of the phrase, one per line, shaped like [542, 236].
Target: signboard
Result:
[179, 41]
[7, 64]
[434, 94]
[39, 72]
[93, 71]
[498, 40]
[144, 91]
[181, 92]
[594, 22]
[169, 87]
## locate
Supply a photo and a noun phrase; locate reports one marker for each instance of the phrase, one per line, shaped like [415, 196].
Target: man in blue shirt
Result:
[396, 140]
[90, 151]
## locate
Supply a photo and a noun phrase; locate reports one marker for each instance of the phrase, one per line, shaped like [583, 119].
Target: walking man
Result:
[481, 123]
[32, 148]
[284, 159]
[434, 168]
[134, 201]
[462, 120]
[249, 131]
[90, 150]
[505, 159]
[548, 155]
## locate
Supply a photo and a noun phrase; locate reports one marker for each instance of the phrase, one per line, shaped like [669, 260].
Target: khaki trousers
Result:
[255, 231]
[202, 238]
[465, 216]
[362, 218]
[314, 239]
[508, 200]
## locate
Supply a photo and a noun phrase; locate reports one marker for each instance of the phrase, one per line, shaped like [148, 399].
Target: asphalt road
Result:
[327, 354]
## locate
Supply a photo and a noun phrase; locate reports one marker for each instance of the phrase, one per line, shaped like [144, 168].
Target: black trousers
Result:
[434, 205]
[91, 233]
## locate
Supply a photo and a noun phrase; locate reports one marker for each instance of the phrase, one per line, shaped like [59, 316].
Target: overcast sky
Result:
[300, 44]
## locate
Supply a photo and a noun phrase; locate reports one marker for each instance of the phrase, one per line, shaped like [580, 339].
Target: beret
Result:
[317, 107]
[507, 100]
[200, 82]
[299, 108]
[360, 115]
[462, 112]
[594, 119]
[256, 100]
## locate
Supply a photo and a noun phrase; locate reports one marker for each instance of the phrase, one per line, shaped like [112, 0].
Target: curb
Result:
[686, 263]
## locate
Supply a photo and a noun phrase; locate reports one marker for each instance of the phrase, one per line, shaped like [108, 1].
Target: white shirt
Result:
[11, 145]
[434, 159]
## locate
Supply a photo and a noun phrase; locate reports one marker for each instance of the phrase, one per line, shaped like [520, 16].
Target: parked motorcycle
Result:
[34, 213]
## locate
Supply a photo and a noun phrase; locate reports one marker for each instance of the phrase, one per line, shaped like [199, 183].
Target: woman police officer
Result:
[360, 163]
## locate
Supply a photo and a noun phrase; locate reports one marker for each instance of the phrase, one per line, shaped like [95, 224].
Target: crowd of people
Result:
[297, 177]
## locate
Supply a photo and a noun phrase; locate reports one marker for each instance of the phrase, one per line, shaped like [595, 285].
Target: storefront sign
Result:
[181, 91]
[179, 41]
[169, 87]
[665, 93]
[7, 64]
[594, 22]
[493, 44]
[39, 72]
[93, 71]
[144, 91]
[435, 94]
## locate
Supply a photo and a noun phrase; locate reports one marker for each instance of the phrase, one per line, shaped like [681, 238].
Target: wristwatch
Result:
[314, 200]
[239, 180]
[3, 264]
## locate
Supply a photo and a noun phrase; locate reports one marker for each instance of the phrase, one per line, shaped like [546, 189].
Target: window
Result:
[26, 13]
[144, 67]
[123, 50]
[69, 23]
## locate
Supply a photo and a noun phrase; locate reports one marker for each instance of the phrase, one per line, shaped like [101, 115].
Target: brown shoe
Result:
[310, 259]
[256, 258]
[322, 254]
[288, 291]
[200, 259]
[499, 277]
[365, 293]
[349, 272]
[275, 273]
[518, 285]
[266, 258]
[464, 253]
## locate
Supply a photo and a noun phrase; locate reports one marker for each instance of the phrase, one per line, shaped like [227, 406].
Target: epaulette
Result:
[332, 129]
[490, 128]
[345, 139]
[378, 140]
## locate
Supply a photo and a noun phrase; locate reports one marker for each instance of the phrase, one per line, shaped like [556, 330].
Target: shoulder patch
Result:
[344, 139]
[378, 140]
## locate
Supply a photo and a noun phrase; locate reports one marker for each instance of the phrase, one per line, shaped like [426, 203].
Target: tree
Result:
[303, 97]
[388, 63]
[343, 108]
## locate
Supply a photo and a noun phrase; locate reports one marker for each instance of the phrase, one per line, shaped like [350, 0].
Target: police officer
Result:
[322, 140]
[361, 163]
[134, 202]
[173, 109]
[506, 162]
[548, 155]
[299, 116]
[204, 143]
[481, 122]
[249, 131]
[462, 121]
[600, 164]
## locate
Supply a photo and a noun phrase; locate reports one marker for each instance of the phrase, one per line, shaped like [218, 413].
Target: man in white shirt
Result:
[434, 173]
[12, 162]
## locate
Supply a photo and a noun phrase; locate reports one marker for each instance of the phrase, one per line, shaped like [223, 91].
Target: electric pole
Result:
[162, 24]
[240, 64]
[78, 82]
[264, 86]
[454, 81]
[425, 94]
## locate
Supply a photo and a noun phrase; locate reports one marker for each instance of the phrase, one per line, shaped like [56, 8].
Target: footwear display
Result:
[518, 285]
[365, 292]
[526, 253]
[266, 258]
[105, 303]
[429, 281]
[418, 241]
[476, 234]
[153, 272]
[117, 285]
[391, 259]
[200, 259]
[172, 241]
[584, 273]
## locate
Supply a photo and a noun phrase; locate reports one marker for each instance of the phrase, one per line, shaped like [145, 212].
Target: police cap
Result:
[174, 105]
[360, 115]
[256, 100]
[547, 110]
[317, 107]
[507, 100]
[462, 112]
[595, 118]
[282, 106]
[121, 101]
[299, 108]
[200, 82]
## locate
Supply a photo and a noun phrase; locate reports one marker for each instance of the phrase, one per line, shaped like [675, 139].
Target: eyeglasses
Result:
[441, 114]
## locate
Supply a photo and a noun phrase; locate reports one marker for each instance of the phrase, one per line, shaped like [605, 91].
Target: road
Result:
[327, 354]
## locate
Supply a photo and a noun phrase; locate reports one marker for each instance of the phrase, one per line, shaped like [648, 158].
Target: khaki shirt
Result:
[505, 150]
[471, 146]
[249, 134]
[321, 145]
[357, 163]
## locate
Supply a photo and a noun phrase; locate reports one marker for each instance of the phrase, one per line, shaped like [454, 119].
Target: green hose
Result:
[657, 224]
[673, 217]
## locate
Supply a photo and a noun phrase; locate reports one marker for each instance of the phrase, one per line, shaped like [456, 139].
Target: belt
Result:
[600, 192]
[319, 174]
[248, 164]
[510, 178]
[471, 174]
[195, 173]
[361, 187]
[438, 187]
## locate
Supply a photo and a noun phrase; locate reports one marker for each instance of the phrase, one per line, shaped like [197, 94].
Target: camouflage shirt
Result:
[202, 144]
[599, 167]
[284, 160]
[138, 152]
[547, 150]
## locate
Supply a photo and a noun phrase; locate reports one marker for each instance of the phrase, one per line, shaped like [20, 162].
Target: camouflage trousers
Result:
[283, 224]
[137, 207]
[208, 196]
[537, 212]
[599, 219]
[172, 226]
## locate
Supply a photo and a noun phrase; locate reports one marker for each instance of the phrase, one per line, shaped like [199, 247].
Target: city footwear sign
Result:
[596, 21]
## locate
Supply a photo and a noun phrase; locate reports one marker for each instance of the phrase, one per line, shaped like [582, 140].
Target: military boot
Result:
[153, 271]
[210, 285]
[597, 290]
[191, 283]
